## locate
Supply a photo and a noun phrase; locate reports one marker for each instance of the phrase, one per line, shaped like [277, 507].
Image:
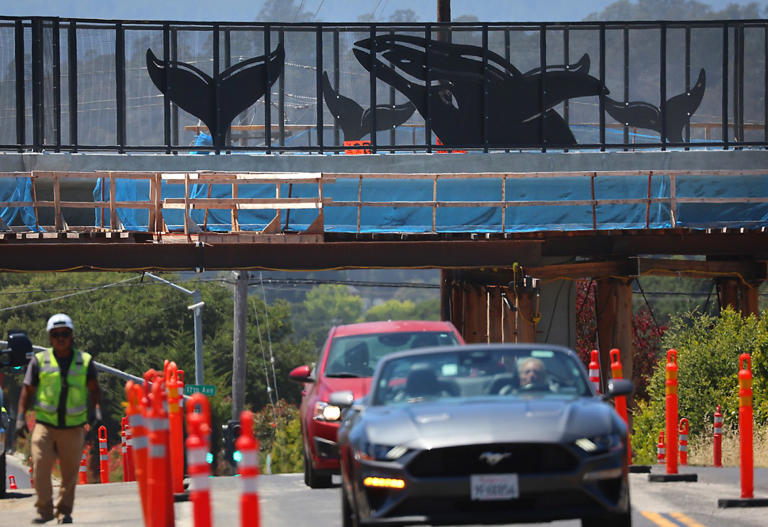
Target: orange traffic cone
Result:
[83, 475]
[12, 483]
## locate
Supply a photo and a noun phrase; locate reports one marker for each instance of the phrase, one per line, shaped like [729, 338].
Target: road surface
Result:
[286, 502]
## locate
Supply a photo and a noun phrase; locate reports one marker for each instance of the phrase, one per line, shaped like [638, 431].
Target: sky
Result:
[326, 10]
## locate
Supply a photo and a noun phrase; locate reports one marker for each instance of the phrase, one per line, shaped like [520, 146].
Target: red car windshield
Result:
[357, 355]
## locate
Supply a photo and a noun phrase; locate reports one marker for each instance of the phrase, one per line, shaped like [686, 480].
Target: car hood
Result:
[358, 386]
[456, 422]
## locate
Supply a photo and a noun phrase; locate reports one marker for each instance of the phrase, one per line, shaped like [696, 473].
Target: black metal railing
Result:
[85, 85]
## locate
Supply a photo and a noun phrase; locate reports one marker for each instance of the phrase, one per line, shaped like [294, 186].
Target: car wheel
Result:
[312, 478]
[348, 516]
[618, 520]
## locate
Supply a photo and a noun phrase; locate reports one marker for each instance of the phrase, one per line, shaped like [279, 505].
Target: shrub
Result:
[708, 349]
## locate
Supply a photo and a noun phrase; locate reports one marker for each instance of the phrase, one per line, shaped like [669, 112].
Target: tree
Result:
[327, 305]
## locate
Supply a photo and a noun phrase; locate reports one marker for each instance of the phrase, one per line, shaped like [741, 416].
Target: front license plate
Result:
[487, 487]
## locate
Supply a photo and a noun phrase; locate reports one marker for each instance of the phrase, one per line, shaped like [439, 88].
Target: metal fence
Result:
[86, 85]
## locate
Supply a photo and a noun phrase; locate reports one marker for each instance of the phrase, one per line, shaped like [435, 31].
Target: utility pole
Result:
[443, 10]
[444, 15]
[238, 342]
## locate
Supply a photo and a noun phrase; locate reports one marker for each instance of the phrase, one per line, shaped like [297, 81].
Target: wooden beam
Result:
[749, 299]
[728, 293]
[613, 304]
[475, 316]
[495, 314]
[749, 269]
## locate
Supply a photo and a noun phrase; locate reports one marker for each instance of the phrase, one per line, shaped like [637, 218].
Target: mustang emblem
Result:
[494, 458]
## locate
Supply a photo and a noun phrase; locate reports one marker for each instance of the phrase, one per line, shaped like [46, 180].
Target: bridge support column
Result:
[475, 313]
[741, 296]
[614, 323]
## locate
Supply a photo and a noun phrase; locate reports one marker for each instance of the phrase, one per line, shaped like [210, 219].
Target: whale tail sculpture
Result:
[193, 90]
[355, 121]
[678, 111]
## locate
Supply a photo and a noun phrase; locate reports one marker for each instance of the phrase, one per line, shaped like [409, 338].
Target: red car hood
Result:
[358, 386]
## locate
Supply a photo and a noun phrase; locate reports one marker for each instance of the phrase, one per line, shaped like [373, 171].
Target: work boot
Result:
[43, 518]
[65, 518]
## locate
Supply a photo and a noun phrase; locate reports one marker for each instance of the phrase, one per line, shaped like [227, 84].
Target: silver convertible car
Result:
[483, 434]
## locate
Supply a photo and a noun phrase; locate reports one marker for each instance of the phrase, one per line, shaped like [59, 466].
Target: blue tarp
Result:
[476, 219]
[17, 189]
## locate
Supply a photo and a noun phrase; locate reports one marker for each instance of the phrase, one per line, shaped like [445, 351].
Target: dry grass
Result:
[700, 450]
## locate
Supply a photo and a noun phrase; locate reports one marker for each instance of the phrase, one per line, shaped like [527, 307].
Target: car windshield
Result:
[357, 355]
[479, 373]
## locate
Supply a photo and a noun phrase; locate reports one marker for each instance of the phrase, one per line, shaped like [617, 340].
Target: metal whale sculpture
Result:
[455, 94]
[240, 86]
[678, 111]
[354, 121]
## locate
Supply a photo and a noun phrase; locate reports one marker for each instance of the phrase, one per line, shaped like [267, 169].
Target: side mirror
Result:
[302, 374]
[342, 399]
[618, 387]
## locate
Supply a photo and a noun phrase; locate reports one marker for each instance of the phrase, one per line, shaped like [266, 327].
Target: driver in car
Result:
[533, 374]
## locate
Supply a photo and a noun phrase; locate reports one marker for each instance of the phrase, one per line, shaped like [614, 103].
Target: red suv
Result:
[346, 362]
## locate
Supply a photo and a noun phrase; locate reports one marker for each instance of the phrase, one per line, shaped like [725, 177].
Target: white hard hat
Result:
[60, 320]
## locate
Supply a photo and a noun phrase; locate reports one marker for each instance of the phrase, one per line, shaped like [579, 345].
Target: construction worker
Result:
[62, 377]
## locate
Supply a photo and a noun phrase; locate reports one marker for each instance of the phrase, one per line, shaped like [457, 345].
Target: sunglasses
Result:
[61, 334]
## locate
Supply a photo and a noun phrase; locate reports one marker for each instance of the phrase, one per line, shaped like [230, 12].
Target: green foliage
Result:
[325, 306]
[286, 451]
[708, 350]
[404, 310]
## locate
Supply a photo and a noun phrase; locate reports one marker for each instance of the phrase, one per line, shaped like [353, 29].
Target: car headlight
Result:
[374, 452]
[600, 444]
[326, 412]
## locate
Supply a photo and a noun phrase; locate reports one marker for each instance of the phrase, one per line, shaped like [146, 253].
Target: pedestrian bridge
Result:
[567, 150]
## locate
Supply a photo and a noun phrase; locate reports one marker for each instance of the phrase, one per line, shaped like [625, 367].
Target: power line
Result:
[355, 283]
[36, 302]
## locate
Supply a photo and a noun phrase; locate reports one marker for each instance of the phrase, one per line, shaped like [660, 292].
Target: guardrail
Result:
[391, 203]
[77, 85]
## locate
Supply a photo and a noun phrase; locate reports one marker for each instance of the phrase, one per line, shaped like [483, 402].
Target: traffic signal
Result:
[231, 433]
[19, 348]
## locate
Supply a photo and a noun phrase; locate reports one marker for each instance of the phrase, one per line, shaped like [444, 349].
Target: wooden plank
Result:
[56, 202]
[495, 314]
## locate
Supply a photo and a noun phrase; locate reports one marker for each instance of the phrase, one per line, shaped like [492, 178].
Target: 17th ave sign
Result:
[208, 390]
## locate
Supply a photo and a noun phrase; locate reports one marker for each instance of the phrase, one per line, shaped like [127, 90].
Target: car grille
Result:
[523, 458]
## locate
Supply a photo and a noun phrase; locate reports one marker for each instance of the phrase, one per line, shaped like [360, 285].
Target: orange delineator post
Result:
[248, 468]
[671, 410]
[176, 427]
[745, 426]
[594, 370]
[31, 479]
[620, 402]
[83, 474]
[103, 455]
[129, 450]
[123, 448]
[661, 452]
[198, 428]
[136, 411]
[159, 491]
[717, 440]
[683, 430]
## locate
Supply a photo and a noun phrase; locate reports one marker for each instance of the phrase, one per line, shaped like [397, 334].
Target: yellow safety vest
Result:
[49, 389]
